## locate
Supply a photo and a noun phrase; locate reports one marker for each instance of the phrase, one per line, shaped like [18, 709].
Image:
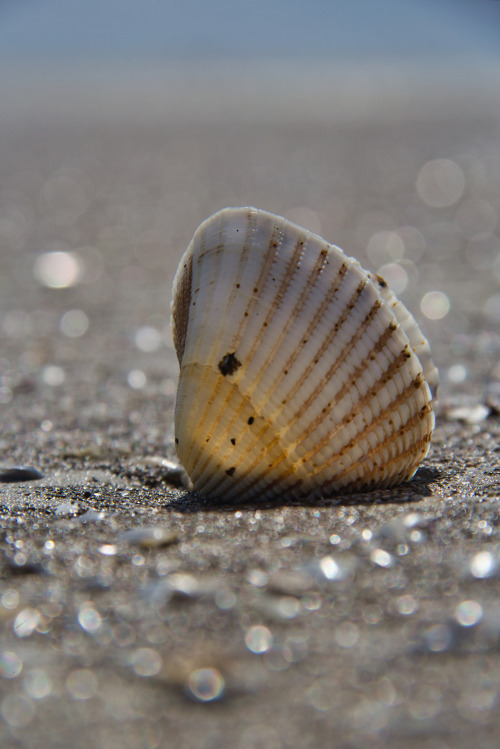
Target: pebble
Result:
[66, 508]
[473, 414]
[182, 586]
[276, 608]
[170, 471]
[92, 516]
[18, 474]
[205, 673]
[149, 537]
[289, 582]
[400, 529]
[88, 452]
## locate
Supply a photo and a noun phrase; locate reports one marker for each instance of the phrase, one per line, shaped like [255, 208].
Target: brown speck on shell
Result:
[229, 364]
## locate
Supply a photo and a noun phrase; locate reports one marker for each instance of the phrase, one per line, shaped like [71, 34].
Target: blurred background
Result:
[72, 56]
[124, 123]
[187, 30]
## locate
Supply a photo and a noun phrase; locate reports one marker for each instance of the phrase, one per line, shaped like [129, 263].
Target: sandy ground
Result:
[135, 615]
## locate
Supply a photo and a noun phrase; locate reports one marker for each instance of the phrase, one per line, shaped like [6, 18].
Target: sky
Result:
[76, 30]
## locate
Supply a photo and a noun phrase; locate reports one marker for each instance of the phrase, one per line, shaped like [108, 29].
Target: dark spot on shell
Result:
[229, 364]
[237, 285]
[393, 326]
[230, 471]
[176, 440]
[251, 420]
[255, 290]
[233, 441]
[382, 282]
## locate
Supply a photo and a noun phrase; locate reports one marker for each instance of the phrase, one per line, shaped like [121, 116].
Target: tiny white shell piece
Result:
[301, 374]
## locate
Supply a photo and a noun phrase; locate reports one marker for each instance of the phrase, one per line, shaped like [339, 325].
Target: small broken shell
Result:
[301, 374]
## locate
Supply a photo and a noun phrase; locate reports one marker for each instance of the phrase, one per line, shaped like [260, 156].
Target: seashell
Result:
[301, 375]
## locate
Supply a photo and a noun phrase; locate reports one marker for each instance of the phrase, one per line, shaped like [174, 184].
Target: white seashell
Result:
[301, 374]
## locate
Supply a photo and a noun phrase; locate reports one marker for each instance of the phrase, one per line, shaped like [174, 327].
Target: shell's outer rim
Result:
[182, 293]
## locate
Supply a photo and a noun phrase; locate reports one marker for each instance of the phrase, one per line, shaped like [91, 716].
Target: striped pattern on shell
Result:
[301, 375]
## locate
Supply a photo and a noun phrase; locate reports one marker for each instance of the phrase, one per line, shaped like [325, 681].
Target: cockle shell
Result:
[301, 375]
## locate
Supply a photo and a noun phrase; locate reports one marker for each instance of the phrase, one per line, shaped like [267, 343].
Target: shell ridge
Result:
[351, 376]
[365, 399]
[273, 416]
[304, 296]
[418, 342]
[413, 421]
[309, 331]
[296, 353]
[275, 237]
[324, 346]
[199, 240]
[383, 416]
[297, 460]
[395, 477]
[280, 296]
[249, 393]
[264, 271]
[291, 269]
[217, 480]
[401, 398]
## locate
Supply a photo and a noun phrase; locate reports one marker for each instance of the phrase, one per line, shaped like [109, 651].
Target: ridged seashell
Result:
[300, 373]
